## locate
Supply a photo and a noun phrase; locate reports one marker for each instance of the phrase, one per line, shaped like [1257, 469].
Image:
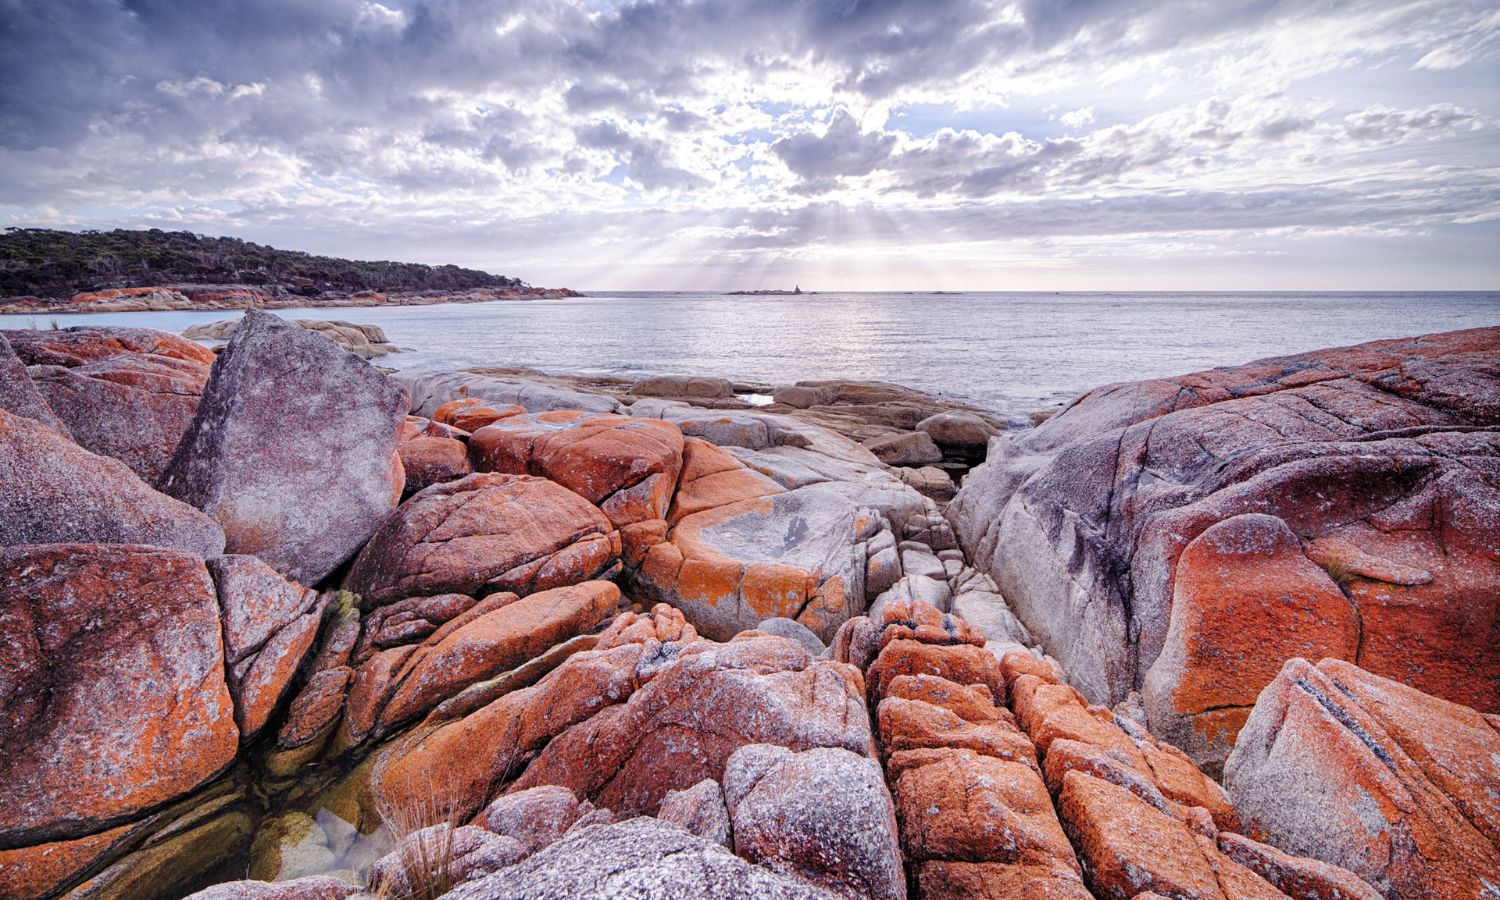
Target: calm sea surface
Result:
[1012, 352]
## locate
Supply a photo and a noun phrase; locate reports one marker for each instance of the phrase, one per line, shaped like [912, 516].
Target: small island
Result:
[795, 292]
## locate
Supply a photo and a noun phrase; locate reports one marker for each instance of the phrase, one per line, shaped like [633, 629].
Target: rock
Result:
[55, 491]
[175, 857]
[1361, 772]
[1082, 522]
[929, 481]
[959, 433]
[433, 860]
[1128, 847]
[1295, 876]
[797, 554]
[269, 628]
[793, 630]
[133, 407]
[484, 534]
[115, 700]
[800, 397]
[822, 815]
[494, 636]
[301, 491]
[962, 664]
[700, 809]
[535, 818]
[988, 612]
[19, 396]
[430, 459]
[1245, 598]
[980, 826]
[636, 860]
[914, 448]
[315, 887]
[698, 709]
[76, 346]
[626, 467]
[364, 341]
[683, 386]
[538, 393]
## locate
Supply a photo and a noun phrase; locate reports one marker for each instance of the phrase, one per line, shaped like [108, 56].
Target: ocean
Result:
[1013, 353]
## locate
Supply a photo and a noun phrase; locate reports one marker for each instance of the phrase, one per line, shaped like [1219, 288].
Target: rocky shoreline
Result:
[278, 625]
[181, 297]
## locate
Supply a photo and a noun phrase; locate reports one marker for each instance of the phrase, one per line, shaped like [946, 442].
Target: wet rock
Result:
[55, 491]
[700, 809]
[627, 467]
[269, 628]
[301, 491]
[822, 815]
[1245, 598]
[914, 448]
[641, 858]
[1361, 772]
[134, 407]
[1082, 522]
[19, 396]
[116, 700]
[483, 534]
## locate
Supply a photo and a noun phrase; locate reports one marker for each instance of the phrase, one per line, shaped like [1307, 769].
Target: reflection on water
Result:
[1013, 352]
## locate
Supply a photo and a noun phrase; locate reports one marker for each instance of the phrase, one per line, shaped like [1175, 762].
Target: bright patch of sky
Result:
[905, 144]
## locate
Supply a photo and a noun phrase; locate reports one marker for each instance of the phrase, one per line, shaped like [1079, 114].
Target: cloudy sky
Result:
[858, 144]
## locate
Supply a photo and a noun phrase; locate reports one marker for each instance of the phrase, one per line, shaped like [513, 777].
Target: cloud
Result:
[747, 126]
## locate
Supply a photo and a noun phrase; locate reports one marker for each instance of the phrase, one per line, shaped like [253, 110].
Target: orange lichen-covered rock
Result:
[915, 724]
[456, 767]
[134, 407]
[972, 703]
[473, 418]
[432, 459]
[1296, 876]
[81, 344]
[1378, 457]
[697, 709]
[919, 620]
[975, 825]
[495, 635]
[1396, 786]
[1245, 598]
[484, 534]
[55, 491]
[626, 466]
[961, 663]
[796, 554]
[1128, 847]
[115, 699]
[1016, 663]
[18, 395]
[712, 477]
[443, 415]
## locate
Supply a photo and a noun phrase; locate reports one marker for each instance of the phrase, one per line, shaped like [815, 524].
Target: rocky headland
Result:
[277, 625]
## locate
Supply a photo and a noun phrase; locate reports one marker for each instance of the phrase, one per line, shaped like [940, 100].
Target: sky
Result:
[745, 144]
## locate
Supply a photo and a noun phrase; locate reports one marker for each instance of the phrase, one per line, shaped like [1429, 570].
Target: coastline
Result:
[210, 297]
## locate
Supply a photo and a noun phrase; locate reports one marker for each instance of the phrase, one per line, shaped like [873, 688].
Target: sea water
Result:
[1010, 352]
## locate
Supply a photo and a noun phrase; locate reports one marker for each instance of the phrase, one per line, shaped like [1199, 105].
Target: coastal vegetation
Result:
[45, 262]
